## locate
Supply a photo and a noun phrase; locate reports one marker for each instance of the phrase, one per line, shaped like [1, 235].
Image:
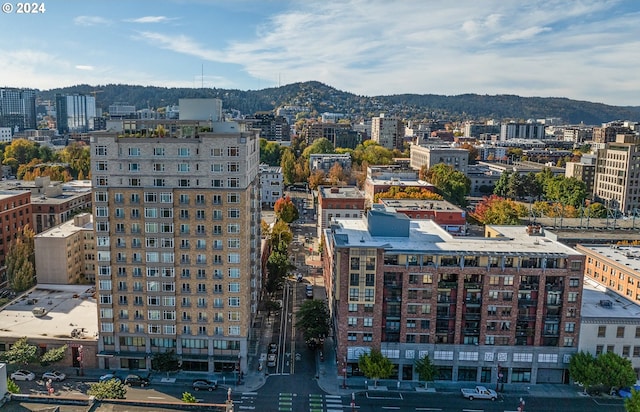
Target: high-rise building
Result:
[617, 171]
[387, 131]
[75, 113]
[177, 226]
[501, 308]
[18, 108]
[522, 131]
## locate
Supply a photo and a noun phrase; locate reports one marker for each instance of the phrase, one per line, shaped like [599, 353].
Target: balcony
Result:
[447, 285]
[527, 302]
[473, 301]
[472, 316]
[472, 285]
[528, 286]
[526, 318]
[471, 331]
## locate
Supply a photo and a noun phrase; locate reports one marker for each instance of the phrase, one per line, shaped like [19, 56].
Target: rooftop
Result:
[426, 235]
[340, 192]
[628, 256]
[420, 204]
[598, 302]
[68, 307]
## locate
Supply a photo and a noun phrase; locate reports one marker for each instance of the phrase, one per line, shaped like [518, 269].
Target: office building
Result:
[507, 304]
[177, 226]
[18, 108]
[430, 156]
[522, 131]
[75, 113]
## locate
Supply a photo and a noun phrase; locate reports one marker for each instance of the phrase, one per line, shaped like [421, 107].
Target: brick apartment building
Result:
[15, 213]
[507, 304]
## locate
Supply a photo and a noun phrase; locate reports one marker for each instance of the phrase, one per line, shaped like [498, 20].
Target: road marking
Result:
[155, 397]
[247, 407]
[473, 410]
[332, 396]
[390, 407]
[250, 393]
[280, 408]
[334, 410]
[333, 400]
[430, 409]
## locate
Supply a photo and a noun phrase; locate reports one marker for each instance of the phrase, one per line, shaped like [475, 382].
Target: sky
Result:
[579, 49]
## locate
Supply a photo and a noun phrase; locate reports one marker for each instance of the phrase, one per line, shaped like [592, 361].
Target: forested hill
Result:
[322, 98]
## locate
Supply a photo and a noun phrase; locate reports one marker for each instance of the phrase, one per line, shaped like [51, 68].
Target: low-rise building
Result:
[430, 156]
[382, 178]
[500, 308]
[65, 254]
[325, 161]
[271, 184]
[338, 202]
[449, 216]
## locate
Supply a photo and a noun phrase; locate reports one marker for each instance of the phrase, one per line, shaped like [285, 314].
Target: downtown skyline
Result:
[579, 50]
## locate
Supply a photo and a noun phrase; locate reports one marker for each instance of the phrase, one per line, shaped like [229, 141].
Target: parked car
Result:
[273, 347]
[23, 375]
[626, 392]
[204, 385]
[54, 376]
[271, 360]
[136, 380]
[108, 377]
[479, 392]
[309, 291]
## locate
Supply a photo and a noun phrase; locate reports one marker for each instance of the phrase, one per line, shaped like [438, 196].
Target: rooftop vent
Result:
[606, 304]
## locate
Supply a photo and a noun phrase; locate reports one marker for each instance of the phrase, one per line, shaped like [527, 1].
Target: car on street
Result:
[626, 392]
[204, 385]
[479, 392]
[54, 376]
[136, 380]
[309, 291]
[271, 360]
[23, 375]
[273, 347]
[107, 377]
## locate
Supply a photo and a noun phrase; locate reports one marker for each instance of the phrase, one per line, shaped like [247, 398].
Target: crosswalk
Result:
[325, 403]
[288, 402]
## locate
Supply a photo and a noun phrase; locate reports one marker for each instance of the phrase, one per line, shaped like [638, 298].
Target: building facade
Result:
[617, 182]
[271, 184]
[15, 214]
[388, 132]
[584, 171]
[65, 254]
[338, 202]
[501, 308]
[449, 216]
[430, 156]
[522, 131]
[325, 161]
[177, 227]
[75, 113]
[18, 108]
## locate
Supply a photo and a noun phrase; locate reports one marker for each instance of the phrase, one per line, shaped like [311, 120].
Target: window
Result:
[625, 351]
[569, 327]
[599, 349]
[183, 167]
[134, 151]
[574, 282]
[572, 297]
[620, 332]
[183, 152]
[602, 331]
[351, 321]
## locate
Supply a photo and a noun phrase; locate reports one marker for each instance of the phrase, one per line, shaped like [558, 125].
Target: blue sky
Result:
[580, 49]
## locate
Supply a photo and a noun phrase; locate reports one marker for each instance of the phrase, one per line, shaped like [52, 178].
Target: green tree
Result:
[288, 165]
[452, 184]
[427, 371]
[632, 404]
[281, 236]
[53, 355]
[111, 389]
[21, 261]
[582, 369]
[313, 320]
[372, 153]
[502, 185]
[568, 191]
[614, 371]
[77, 155]
[270, 152]
[165, 362]
[320, 146]
[12, 387]
[278, 265]
[188, 398]
[285, 210]
[375, 366]
[21, 353]
[22, 150]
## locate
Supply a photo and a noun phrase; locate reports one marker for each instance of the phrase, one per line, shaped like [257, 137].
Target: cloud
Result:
[180, 44]
[84, 67]
[525, 34]
[150, 19]
[91, 21]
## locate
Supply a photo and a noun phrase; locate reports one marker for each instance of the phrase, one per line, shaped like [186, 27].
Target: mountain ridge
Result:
[320, 98]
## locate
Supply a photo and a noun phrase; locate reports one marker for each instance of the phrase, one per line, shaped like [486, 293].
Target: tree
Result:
[316, 179]
[375, 366]
[22, 150]
[77, 155]
[281, 236]
[278, 266]
[188, 398]
[21, 353]
[111, 389]
[320, 146]
[288, 165]
[313, 319]
[21, 261]
[427, 371]
[452, 184]
[285, 210]
[12, 387]
[474, 155]
[632, 404]
[495, 210]
[614, 371]
[336, 174]
[165, 362]
[270, 152]
[53, 355]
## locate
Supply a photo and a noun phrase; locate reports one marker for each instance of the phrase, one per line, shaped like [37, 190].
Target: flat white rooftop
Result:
[68, 307]
[598, 302]
[628, 256]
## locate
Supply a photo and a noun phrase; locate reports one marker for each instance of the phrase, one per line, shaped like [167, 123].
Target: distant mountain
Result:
[322, 98]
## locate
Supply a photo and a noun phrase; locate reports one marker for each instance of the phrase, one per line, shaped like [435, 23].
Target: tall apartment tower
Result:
[616, 179]
[177, 221]
[75, 113]
[387, 131]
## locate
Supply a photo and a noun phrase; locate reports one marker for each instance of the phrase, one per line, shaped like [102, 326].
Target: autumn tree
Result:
[336, 174]
[396, 192]
[281, 236]
[22, 150]
[77, 155]
[285, 209]
[474, 155]
[495, 210]
[21, 261]
[375, 366]
[288, 165]
[316, 179]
